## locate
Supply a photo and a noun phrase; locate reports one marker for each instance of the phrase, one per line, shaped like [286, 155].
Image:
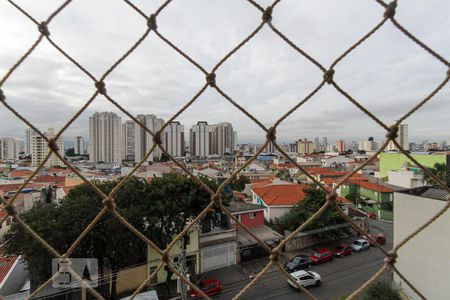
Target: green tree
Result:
[159, 209]
[382, 290]
[303, 210]
[439, 170]
[238, 184]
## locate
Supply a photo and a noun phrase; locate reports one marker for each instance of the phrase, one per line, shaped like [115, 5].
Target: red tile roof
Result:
[280, 194]
[6, 264]
[20, 173]
[49, 179]
[375, 187]
[9, 187]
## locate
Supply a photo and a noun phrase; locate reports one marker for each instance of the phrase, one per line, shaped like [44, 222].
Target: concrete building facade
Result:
[174, 139]
[39, 149]
[128, 139]
[144, 140]
[78, 145]
[422, 259]
[9, 149]
[105, 137]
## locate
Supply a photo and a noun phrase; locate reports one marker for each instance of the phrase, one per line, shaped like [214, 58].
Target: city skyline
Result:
[252, 77]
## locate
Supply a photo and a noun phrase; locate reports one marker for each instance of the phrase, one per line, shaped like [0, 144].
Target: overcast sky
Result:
[388, 74]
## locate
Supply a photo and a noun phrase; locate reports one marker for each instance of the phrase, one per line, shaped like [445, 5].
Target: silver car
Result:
[305, 278]
[360, 244]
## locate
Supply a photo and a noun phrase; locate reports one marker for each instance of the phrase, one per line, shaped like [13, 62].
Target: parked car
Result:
[371, 215]
[380, 238]
[342, 250]
[299, 262]
[305, 278]
[360, 244]
[321, 256]
[210, 287]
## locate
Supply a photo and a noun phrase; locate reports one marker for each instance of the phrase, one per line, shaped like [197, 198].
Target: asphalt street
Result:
[340, 277]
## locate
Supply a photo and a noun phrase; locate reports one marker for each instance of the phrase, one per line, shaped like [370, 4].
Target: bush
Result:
[382, 290]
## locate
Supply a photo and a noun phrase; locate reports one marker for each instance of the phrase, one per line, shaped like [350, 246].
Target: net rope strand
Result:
[108, 200]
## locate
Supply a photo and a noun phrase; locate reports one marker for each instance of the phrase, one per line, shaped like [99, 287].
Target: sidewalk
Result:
[228, 275]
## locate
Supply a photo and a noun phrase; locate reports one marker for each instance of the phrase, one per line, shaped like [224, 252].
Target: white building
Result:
[39, 149]
[144, 140]
[305, 147]
[105, 133]
[78, 145]
[9, 149]
[174, 139]
[369, 146]
[128, 139]
[201, 139]
[422, 260]
[402, 138]
[407, 177]
[28, 136]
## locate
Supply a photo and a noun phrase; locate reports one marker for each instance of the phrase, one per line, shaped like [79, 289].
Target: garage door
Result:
[218, 256]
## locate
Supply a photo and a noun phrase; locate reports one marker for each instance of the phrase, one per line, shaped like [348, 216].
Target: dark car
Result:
[342, 250]
[299, 262]
[321, 256]
[210, 287]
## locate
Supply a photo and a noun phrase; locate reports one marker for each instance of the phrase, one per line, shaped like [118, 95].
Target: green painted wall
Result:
[393, 161]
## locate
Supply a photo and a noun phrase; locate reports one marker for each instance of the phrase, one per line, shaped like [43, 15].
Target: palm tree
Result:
[440, 171]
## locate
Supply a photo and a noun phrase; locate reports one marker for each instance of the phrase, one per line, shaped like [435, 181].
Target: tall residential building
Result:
[144, 140]
[223, 139]
[340, 146]
[402, 138]
[39, 149]
[316, 143]
[128, 139]
[201, 139]
[105, 133]
[28, 136]
[325, 142]
[174, 139]
[78, 145]
[305, 147]
[9, 149]
[270, 147]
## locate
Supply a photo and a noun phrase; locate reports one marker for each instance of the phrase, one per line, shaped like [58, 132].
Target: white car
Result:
[305, 278]
[360, 244]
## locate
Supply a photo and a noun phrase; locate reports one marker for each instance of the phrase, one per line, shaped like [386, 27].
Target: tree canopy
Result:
[158, 209]
[439, 170]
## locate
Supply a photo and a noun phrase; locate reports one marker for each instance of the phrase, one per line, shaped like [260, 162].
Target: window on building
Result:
[252, 215]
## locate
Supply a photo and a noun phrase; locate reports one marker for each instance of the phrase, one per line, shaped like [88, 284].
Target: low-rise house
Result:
[277, 196]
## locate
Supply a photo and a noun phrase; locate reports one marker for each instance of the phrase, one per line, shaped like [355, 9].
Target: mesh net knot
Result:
[101, 88]
[109, 203]
[211, 79]
[53, 145]
[392, 133]
[2, 96]
[151, 22]
[165, 257]
[217, 200]
[390, 10]
[271, 134]
[328, 76]
[274, 256]
[157, 138]
[267, 14]
[331, 197]
[392, 258]
[11, 209]
[43, 29]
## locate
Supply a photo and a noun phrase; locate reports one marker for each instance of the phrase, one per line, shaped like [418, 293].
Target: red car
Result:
[380, 238]
[371, 215]
[321, 256]
[342, 250]
[210, 287]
